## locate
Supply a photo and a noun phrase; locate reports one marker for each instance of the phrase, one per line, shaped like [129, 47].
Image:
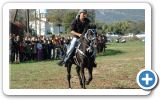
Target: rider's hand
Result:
[80, 35]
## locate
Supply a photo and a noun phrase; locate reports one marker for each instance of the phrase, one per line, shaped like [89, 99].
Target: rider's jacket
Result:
[78, 26]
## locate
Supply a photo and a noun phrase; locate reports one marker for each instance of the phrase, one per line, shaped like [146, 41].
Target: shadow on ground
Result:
[110, 52]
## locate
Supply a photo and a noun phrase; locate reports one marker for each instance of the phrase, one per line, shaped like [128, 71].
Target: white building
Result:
[41, 26]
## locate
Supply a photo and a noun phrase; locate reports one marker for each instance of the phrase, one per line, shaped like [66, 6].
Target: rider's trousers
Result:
[71, 48]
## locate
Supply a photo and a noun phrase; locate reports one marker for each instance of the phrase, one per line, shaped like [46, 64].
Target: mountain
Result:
[114, 15]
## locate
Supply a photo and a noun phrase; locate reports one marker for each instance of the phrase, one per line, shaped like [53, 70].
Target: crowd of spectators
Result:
[38, 48]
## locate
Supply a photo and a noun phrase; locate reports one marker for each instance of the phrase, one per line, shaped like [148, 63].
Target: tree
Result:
[99, 25]
[141, 26]
[67, 19]
[56, 17]
[92, 15]
[122, 28]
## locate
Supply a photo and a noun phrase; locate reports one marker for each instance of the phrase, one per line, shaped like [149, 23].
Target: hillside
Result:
[114, 15]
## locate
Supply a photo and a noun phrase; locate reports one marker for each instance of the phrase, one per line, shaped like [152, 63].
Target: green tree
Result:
[141, 26]
[68, 18]
[92, 15]
[56, 17]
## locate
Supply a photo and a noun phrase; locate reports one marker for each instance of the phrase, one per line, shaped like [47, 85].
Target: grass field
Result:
[117, 69]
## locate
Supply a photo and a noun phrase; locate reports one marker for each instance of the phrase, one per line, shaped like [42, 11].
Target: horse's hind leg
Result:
[78, 73]
[69, 74]
[90, 75]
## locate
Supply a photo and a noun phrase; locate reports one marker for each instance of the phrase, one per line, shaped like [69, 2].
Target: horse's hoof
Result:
[83, 87]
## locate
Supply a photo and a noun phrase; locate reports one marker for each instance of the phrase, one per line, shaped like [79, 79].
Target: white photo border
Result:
[6, 70]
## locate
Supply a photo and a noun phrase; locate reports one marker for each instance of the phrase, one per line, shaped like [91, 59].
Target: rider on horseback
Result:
[78, 26]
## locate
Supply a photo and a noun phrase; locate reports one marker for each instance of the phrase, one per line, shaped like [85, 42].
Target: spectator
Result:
[39, 50]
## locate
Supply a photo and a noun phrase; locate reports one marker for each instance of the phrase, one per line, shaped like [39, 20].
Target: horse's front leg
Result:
[83, 76]
[78, 73]
[68, 74]
[90, 69]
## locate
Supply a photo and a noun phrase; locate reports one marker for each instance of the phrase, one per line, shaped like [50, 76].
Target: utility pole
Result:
[15, 15]
[27, 20]
[36, 20]
[39, 22]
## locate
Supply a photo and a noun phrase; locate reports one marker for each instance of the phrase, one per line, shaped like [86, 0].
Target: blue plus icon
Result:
[147, 79]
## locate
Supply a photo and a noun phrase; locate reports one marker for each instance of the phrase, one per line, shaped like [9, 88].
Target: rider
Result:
[78, 26]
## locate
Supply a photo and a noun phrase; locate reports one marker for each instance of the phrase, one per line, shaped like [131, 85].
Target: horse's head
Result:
[90, 34]
[90, 38]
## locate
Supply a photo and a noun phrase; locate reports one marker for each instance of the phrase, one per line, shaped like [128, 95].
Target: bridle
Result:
[93, 31]
[89, 40]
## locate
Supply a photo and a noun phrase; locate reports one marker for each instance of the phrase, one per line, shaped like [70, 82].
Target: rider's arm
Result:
[75, 33]
[74, 28]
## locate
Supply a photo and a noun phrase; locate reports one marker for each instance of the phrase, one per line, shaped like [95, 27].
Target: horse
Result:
[101, 43]
[83, 58]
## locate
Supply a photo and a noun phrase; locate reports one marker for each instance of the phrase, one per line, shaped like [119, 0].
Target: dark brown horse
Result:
[84, 57]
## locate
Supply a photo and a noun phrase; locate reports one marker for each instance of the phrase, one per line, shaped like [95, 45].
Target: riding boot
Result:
[69, 52]
[63, 61]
